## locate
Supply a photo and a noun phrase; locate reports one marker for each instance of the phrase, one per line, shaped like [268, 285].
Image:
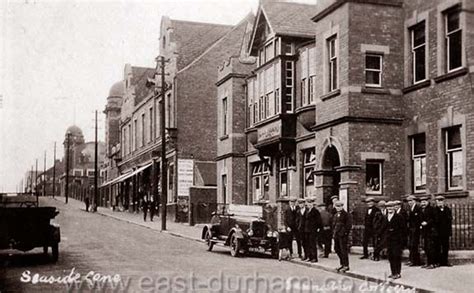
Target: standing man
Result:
[300, 224]
[145, 208]
[445, 221]
[325, 235]
[429, 232]
[342, 227]
[312, 226]
[331, 208]
[414, 222]
[87, 202]
[152, 208]
[290, 223]
[395, 234]
[369, 226]
[380, 229]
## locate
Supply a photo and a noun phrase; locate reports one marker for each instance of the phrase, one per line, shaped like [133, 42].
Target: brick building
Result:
[342, 103]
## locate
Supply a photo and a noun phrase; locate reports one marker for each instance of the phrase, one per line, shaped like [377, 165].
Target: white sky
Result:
[58, 58]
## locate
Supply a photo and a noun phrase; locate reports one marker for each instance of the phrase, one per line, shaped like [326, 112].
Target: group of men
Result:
[313, 226]
[392, 227]
[148, 205]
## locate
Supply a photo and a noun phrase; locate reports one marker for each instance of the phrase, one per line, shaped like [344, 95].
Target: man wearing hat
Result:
[369, 226]
[380, 227]
[331, 207]
[325, 235]
[428, 232]
[312, 225]
[414, 222]
[300, 224]
[395, 234]
[291, 213]
[342, 225]
[444, 226]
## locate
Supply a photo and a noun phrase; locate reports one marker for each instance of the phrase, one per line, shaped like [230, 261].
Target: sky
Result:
[58, 60]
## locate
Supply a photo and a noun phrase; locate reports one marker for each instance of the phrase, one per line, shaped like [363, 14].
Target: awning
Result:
[127, 175]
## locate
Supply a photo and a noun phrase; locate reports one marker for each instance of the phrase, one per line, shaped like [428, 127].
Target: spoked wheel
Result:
[208, 238]
[235, 246]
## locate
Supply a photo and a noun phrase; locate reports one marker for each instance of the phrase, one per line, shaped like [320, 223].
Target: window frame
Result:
[308, 165]
[260, 173]
[304, 92]
[373, 70]
[289, 87]
[448, 159]
[448, 34]
[287, 166]
[224, 116]
[414, 50]
[380, 164]
[415, 157]
[332, 63]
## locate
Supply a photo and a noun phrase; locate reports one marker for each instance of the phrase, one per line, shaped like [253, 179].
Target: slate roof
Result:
[290, 18]
[193, 38]
[139, 78]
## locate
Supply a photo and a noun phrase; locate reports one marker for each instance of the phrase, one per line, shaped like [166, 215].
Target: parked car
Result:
[24, 225]
[242, 232]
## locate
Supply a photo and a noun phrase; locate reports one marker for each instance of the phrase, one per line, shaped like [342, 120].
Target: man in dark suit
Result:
[312, 226]
[428, 232]
[380, 229]
[145, 208]
[414, 222]
[396, 228]
[444, 227]
[342, 225]
[369, 226]
[291, 213]
[300, 224]
[325, 235]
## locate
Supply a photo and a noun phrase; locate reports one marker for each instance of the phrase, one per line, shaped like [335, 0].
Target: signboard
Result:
[185, 176]
[271, 130]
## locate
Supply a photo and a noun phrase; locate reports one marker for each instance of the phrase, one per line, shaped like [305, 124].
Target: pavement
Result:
[458, 278]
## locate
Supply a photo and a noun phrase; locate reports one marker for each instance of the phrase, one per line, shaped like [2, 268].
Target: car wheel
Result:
[234, 246]
[208, 239]
[55, 250]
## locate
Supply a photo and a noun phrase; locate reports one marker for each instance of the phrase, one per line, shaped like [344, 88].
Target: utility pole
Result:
[44, 175]
[164, 165]
[54, 170]
[68, 135]
[96, 167]
[36, 182]
[31, 180]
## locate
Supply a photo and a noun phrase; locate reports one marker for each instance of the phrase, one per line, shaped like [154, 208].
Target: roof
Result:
[193, 38]
[139, 79]
[290, 18]
[74, 130]
[117, 90]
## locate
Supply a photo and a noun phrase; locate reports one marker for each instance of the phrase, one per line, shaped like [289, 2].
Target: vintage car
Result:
[24, 225]
[242, 229]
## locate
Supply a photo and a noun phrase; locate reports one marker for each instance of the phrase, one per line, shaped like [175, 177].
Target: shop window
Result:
[260, 181]
[418, 49]
[309, 159]
[373, 70]
[453, 36]
[332, 62]
[171, 182]
[454, 158]
[373, 177]
[418, 147]
[286, 169]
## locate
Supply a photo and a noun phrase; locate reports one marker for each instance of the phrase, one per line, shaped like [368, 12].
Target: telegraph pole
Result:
[54, 170]
[164, 165]
[96, 167]
[31, 180]
[36, 182]
[68, 135]
[44, 175]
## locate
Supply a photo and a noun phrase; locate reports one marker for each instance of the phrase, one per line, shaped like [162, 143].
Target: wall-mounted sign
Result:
[269, 131]
[185, 176]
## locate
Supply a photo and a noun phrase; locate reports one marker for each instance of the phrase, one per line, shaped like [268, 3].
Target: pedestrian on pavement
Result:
[380, 230]
[369, 227]
[144, 208]
[429, 232]
[414, 222]
[325, 235]
[291, 213]
[312, 227]
[444, 227]
[396, 228]
[342, 225]
[152, 208]
[300, 224]
[86, 200]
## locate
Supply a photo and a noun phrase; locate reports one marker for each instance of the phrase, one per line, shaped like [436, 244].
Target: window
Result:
[287, 48]
[304, 92]
[269, 52]
[309, 159]
[373, 177]
[261, 57]
[277, 46]
[266, 111]
[150, 137]
[289, 74]
[373, 70]
[171, 182]
[418, 49]
[418, 151]
[255, 112]
[262, 108]
[130, 137]
[260, 181]
[224, 116]
[224, 188]
[454, 158]
[135, 129]
[277, 101]
[332, 54]
[312, 92]
[286, 168]
[453, 35]
[143, 130]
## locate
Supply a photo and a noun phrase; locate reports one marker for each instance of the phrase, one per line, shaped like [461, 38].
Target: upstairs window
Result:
[224, 116]
[332, 62]
[304, 91]
[312, 91]
[373, 177]
[289, 76]
[418, 50]
[454, 158]
[373, 70]
[150, 137]
[418, 156]
[453, 36]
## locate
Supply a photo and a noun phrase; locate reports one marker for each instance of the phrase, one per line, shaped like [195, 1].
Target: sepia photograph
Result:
[227, 146]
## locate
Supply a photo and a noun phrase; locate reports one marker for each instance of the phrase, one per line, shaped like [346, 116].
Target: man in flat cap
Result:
[380, 227]
[369, 226]
[312, 227]
[414, 222]
[342, 225]
[291, 213]
[325, 235]
[395, 231]
[331, 207]
[444, 226]
[300, 224]
[429, 232]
